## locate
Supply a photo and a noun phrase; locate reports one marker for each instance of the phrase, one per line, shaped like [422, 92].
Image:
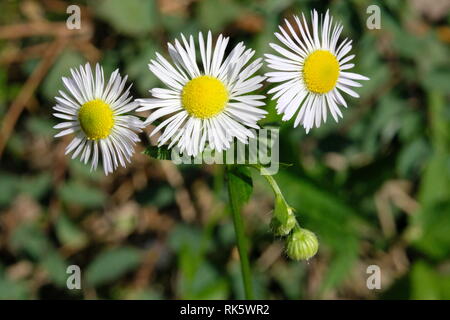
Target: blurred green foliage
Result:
[374, 187]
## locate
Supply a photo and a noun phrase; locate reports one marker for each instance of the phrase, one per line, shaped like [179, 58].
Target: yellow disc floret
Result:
[204, 97]
[321, 71]
[96, 119]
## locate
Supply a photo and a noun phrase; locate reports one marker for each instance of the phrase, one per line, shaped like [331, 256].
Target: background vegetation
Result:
[375, 187]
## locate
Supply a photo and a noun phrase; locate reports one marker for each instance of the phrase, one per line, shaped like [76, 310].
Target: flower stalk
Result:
[301, 244]
[241, 239]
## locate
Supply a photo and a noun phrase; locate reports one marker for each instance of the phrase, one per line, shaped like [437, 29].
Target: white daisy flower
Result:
[207, 104]
[312, 71]
[97, 115]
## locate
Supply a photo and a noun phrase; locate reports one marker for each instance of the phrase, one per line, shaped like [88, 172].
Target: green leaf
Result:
[79, 194]
[31, 240]
[39, 126]
[8, 184]
[344, 257]
[289, 276]
[412, 156]
[12, 289]
[205, 283]
[52, 83]
[131, 17]
[433, 237]
[162, 197]
[188, 241]
[438, 80]
[35, 186]
[432, 219]
[424, 282]
[84, 172]
[215, 14]
[56, 267]
[436, 179]
[111, 265]
[135, 58]
[259, 281]
[159, 153]
[69, 234]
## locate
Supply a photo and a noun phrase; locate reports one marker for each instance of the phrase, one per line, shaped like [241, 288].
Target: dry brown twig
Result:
[63, 36]
[176, 181]
[182, 196]
[55, 29]
[28, 89]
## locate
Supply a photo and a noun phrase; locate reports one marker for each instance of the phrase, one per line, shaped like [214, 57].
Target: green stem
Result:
[274, 185]
[270, 179]
[241, 241]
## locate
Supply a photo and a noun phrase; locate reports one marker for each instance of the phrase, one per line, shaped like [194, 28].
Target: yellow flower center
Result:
[96, 119]
[321, 71]
[204, 97]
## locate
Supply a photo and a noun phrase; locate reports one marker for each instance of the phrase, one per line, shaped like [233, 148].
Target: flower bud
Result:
[283, 217]
[283, 229]
[302, 244]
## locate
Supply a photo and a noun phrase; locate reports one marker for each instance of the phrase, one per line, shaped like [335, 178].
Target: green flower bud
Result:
[283, 229]
[283, 217]
[302, 244]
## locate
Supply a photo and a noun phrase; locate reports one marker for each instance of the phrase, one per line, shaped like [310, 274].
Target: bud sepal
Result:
[282, 226]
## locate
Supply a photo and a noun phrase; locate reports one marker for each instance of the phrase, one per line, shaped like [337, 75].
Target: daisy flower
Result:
[207, 104]
[312, 71]
[97, 115]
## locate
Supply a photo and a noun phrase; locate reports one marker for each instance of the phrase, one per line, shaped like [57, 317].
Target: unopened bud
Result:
[283, 229]
[302, 244]
[283, 217]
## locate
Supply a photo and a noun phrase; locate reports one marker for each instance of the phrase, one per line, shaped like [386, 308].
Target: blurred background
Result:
[374, 188]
